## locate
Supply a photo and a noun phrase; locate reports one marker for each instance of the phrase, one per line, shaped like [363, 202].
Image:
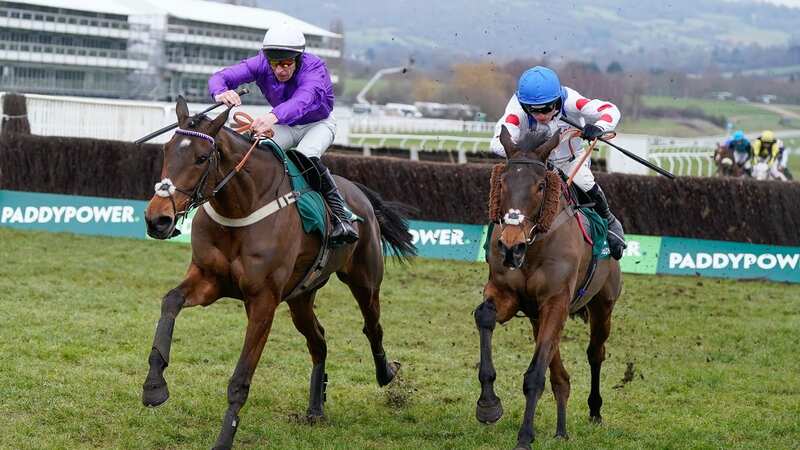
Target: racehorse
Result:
[725, 161]
[261, 262]
[763, 170]
[537, 261]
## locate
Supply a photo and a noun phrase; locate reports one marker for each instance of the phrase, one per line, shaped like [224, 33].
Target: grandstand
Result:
[144, 49]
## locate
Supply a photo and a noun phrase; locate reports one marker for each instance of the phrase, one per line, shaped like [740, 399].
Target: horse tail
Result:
[393, 221]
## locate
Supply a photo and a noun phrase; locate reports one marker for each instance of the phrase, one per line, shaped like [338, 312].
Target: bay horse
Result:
[725, 160]
[262, 262]
[538, 261]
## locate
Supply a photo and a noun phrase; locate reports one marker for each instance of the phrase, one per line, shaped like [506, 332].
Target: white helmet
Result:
[283, 41]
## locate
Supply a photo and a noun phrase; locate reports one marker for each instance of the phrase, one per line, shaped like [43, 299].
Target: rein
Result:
[166, 188]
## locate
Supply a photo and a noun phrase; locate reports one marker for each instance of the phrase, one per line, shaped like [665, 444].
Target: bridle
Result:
[515, 216]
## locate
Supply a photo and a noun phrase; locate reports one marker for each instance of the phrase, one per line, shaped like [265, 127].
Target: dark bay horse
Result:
[262, 262]
[538, 260]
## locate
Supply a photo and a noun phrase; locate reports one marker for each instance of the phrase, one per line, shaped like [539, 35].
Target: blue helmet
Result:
[538, 86]
[737, 136]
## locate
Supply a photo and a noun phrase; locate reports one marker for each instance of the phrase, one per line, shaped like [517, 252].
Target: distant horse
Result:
[725, 160]
[538, 262]
[762, 170]
[262, 259]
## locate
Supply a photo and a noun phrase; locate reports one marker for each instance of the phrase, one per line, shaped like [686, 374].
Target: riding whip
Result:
[142, 140]
[636, 158]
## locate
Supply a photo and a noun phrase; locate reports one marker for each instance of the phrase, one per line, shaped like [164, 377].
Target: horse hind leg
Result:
[366, 291]
[600, 326]
[559, 381]
[306, 322]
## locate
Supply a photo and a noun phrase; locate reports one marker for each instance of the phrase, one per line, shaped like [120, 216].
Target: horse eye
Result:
[201, 159]
[541, 186]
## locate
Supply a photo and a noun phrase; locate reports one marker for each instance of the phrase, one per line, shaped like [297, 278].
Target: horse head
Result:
[522, 187]
[190, 158]
[725, 161]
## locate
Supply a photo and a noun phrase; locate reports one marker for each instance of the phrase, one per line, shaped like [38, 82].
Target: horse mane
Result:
[494, 193]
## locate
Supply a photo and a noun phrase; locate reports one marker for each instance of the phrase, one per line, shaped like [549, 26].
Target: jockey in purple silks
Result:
[298, 86]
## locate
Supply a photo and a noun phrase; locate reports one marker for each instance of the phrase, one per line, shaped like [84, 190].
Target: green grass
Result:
[747, 117]
[668, 127]
[715, 361]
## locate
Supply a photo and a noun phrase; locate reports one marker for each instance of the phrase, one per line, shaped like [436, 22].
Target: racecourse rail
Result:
[127, 120]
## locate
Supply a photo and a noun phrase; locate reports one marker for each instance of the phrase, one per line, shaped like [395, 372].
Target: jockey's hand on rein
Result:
[591, 131]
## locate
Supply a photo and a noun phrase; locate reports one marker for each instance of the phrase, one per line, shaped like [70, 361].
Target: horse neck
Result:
[256, 184]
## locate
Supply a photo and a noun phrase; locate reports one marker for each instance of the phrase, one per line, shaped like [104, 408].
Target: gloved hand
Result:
[591, 131]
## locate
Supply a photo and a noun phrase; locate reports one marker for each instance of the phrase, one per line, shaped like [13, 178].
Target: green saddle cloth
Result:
[598, 231]
[310, 205]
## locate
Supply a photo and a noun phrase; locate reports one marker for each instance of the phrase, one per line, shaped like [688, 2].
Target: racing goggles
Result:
[542, 109]
[284, 63]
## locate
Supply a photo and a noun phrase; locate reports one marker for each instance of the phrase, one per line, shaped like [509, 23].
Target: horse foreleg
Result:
[259, 322]
[154, 391]
[489, 408]
[306, 322]
[600, 327]
[552, 315]
[194, 290]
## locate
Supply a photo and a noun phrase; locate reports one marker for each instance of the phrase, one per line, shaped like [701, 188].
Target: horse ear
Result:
[218, 122]
[543, 152]
[181, 110]
[508, 144]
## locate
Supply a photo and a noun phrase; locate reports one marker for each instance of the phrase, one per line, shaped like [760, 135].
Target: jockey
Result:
[537, 105]
[768, 149]
[741, 148]
[298, 86]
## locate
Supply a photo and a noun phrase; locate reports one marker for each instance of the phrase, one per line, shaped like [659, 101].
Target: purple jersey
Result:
[307, 97]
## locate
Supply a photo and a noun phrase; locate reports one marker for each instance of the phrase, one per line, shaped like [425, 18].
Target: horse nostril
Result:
[519, 249]
[161, 223]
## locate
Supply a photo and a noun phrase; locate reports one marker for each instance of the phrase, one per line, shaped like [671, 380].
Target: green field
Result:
[714, 362]
[745, 116]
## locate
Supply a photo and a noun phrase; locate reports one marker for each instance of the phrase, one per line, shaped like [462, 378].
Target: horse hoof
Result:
[489, 413]
[154, 394]
[314, 418]
[563, 436]
[597, 420]
[391, 372]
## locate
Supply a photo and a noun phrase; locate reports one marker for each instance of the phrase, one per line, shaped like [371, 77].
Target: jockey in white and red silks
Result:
[537, 105]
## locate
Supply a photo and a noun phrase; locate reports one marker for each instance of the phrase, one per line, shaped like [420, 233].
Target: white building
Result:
[145, 49]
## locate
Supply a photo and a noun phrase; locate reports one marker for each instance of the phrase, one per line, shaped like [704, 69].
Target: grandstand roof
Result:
[226, 14]
[97, 6]
[197, 10]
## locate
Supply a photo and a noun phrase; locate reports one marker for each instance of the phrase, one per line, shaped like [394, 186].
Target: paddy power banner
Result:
[81, 215]
[439, 240]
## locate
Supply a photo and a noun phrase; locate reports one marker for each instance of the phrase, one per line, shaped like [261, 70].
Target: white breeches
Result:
[311, 139]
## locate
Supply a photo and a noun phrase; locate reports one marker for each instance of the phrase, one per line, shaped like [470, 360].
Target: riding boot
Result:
[616, 237]
[343, 231]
